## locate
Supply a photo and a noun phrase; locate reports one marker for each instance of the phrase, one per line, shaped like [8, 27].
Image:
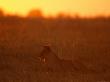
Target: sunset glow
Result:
[53, 7]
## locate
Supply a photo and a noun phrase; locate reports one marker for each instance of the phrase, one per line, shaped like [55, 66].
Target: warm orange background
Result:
[81, 7]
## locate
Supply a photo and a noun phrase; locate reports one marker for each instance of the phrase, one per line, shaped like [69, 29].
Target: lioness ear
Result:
[44, 60]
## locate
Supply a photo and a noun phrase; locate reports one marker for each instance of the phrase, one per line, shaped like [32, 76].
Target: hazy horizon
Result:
[53, 7]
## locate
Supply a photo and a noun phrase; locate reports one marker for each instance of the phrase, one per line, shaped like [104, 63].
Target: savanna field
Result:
[54, 50]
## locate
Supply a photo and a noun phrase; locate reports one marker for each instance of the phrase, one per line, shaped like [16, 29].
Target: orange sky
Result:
[53, 7]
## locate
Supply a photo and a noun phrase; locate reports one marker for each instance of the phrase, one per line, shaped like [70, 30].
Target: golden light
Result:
[53, 7]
